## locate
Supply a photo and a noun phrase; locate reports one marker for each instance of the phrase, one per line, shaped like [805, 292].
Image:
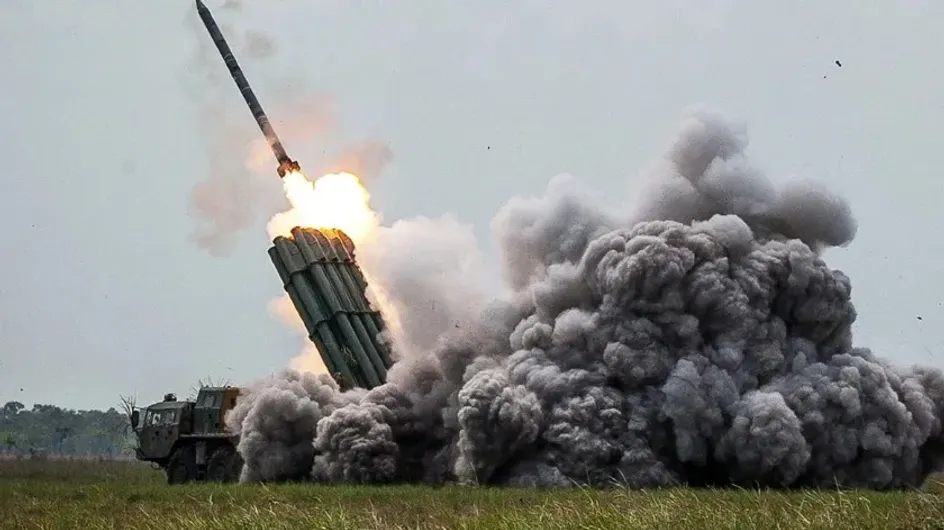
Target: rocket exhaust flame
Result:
[286, 164]
[335, 200]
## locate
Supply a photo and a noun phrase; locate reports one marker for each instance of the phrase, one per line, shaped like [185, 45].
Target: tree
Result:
[12, 408]
[48, 429]
[62, 433]
[128, 404]
[10, 442]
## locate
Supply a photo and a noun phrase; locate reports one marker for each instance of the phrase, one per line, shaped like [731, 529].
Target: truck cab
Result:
[188, 439]
[163, 424]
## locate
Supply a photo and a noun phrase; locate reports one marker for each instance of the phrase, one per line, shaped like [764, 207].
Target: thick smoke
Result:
[700, 340]
[435, 287]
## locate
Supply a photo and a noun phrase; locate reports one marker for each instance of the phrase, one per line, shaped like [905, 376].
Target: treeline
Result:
[51, 430]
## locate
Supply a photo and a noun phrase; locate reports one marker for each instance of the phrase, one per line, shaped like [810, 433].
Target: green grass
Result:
[101, 494]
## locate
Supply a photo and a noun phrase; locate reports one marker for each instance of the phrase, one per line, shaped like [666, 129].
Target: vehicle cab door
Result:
[164, 430]
[147, 435]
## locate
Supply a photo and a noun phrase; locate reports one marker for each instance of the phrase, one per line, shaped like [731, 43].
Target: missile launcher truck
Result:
[189, 440]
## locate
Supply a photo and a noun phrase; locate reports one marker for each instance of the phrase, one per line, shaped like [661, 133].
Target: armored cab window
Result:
[163, 417]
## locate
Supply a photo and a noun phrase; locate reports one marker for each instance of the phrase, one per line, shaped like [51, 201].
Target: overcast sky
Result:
[106, 131]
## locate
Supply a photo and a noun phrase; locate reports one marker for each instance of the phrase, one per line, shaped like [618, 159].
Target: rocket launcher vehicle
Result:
[320, 274]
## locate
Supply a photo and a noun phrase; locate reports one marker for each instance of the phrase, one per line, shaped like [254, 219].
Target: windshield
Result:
[161, 417]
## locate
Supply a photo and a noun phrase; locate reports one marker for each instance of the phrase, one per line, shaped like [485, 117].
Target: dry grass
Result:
[114, 494]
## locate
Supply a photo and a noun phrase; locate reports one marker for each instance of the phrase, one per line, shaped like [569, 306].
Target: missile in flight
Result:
[286, 164]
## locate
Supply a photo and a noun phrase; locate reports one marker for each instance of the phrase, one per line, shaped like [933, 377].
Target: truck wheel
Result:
[224, 465]
[182, 467]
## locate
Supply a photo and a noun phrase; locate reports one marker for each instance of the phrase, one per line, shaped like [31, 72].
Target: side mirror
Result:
[135, 418]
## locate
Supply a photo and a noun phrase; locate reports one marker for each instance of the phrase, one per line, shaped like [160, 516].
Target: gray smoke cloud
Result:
[699, 339]
[440, 291]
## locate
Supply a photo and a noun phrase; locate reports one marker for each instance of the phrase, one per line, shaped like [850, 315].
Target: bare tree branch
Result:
[128, 404]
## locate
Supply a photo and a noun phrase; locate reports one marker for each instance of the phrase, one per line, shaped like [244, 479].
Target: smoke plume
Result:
[698, 339]
[435, 287]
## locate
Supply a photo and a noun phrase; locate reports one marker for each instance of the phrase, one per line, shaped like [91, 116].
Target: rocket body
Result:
[286, 164]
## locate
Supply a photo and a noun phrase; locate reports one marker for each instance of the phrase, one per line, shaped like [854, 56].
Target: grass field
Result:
[114, 494]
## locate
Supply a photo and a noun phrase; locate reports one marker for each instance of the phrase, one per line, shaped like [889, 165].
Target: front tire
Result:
[182, 467]
[224, 465]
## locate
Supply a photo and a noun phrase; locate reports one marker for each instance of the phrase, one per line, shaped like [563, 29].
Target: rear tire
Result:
[182, 467]
[224, 465]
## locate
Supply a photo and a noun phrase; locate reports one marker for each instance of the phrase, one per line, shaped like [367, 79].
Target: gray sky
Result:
[104, 292]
